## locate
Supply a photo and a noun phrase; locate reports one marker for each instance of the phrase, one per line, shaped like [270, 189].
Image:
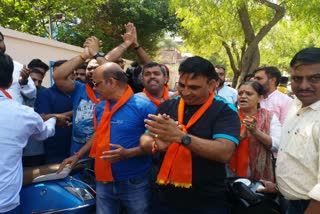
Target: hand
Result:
[269, 187]
[24, 74]
[164, 128]
[116, 155]
[160, 145]
[131, 28]
[62, 120]
[129, 36]
[70, 161]
[251, 124]
[93, 45]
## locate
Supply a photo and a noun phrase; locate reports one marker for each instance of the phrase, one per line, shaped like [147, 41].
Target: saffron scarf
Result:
[101, 140]
[156, 101]
[176, 168]
[91, 94]
[6, 93]
[252, 154]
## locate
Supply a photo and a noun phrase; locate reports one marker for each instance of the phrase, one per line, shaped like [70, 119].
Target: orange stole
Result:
[176, 167]
[101, 140]
[6, 93]
[240, 159]
[91, 94]
[155, 101]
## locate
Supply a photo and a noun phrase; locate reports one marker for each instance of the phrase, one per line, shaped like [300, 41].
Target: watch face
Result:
[186, 140]
[99, 54]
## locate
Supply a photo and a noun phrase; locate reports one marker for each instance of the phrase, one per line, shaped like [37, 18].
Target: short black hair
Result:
[271, 72]
[306, 56]
[38, 63]
[284, 80]
[221, 67]
[6, 70]
[198, 66]
[255, 85]
[37, 71]
[154, 64]
[82, 66]
[58, 63]
[1, 35]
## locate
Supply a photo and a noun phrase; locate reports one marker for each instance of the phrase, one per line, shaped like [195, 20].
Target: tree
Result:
[238, 26]
[104, 19]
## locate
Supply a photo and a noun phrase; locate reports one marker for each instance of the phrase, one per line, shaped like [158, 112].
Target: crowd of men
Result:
[155, 151]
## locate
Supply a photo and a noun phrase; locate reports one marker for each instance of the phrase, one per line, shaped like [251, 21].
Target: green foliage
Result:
[207, 24]
[103, 19]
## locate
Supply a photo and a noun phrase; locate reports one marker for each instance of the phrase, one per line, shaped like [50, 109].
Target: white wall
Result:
[24, 47]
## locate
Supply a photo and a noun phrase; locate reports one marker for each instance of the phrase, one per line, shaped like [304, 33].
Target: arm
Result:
[141, 53]
[313, 207]
[117, 52]
[166, 130]
[71, 161]
[62, 73]
[27, 87]
[120, 153]
[44, 129]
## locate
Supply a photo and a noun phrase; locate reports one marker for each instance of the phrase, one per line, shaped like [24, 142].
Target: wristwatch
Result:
[186, 140]
[99, 54]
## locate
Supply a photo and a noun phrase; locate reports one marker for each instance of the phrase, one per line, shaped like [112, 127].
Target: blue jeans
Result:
[133, 194]
[297, 206]
[170, 210]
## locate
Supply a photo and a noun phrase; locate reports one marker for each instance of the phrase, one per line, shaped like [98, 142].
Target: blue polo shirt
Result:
[52, 100]
[127, 125]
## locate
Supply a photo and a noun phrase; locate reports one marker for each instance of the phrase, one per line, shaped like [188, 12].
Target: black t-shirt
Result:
[221, 120]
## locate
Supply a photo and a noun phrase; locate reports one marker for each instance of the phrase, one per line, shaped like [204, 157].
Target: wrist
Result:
[78, 155]
[23, 81]
[137, 47]
[83, 57]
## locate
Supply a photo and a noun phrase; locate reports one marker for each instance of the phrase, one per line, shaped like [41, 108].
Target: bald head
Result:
[111, 69]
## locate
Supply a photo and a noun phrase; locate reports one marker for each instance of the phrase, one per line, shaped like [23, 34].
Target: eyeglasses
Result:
[96, 84]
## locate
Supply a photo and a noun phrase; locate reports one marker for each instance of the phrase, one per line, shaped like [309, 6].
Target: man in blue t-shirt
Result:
[130, 168]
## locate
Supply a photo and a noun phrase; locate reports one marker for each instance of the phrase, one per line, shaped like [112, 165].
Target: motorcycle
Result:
[246, 199]
[71, 191]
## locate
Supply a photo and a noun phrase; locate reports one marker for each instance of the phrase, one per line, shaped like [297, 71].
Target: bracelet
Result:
[136, 48]
[82, 57]
[78, 154]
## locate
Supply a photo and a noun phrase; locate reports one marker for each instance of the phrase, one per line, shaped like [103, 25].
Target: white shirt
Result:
[16, 90]
[275, 132]
[17, 124]
[228, 93]
[298, 163]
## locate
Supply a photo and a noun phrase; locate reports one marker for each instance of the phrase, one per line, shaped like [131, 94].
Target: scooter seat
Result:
[30, 173]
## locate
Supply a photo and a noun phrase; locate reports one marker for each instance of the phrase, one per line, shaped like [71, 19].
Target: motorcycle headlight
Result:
[81, 193]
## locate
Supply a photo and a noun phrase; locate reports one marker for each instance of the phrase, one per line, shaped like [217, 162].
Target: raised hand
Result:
[24, 74]
[92, 46]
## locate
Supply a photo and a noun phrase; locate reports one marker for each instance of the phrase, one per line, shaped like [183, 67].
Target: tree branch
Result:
[231, 58]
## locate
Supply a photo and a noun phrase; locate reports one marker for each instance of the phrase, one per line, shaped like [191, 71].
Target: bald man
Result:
[122, 169]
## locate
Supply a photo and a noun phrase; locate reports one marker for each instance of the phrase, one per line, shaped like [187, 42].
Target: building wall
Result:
[24, 47]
